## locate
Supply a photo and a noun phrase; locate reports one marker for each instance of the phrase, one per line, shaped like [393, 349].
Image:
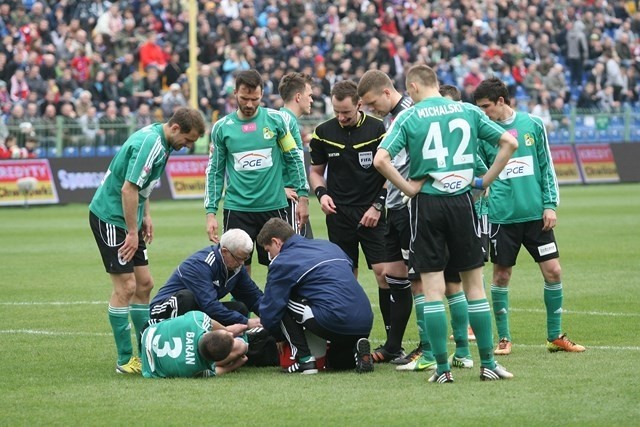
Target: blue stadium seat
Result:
[635, 134]
[88, 151]
[602, 135]
[615, 134]
[103, 151]
[579, 121]
[564, 135]
[115, 149]
[581, 135]
[552, 136]
[70, 152]
[40, 152]
[616, 121]
[52, 152]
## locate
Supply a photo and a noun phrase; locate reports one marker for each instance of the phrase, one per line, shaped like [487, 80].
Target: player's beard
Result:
[248, 111]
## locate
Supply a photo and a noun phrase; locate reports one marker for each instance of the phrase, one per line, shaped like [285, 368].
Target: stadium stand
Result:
[127, 54]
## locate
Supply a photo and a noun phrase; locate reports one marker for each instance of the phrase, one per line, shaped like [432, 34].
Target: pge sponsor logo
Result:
[253, 160]
[453, 183]
[518, 167]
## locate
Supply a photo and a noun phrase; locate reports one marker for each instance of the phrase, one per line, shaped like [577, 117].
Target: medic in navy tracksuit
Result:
[313, 282]
[206, 276]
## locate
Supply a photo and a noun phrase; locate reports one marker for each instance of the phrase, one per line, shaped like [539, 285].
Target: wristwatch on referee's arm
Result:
[380, 200]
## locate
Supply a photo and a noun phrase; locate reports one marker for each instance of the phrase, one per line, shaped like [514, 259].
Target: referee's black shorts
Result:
[344, 230]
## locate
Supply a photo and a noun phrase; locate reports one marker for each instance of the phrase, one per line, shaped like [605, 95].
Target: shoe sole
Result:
[556, 349]
[363, 347]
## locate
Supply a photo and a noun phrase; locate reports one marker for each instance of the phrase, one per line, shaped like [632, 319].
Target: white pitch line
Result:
[54, 333]
[573, 312]
[540, 346]
[515, 309]
[375, 341]
[54, 303]
[522, 310]
[590, 313]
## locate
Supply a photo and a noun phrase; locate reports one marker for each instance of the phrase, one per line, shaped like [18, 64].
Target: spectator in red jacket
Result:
[152, 54]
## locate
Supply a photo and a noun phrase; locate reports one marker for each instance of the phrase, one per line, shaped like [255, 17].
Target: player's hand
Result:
[237, 329]
[254, 322]
[302, 212]
[370, 218]
[327, 205]
[212, 228]
[549, 219]
[129, 247]
[147, 230]
[291, 194]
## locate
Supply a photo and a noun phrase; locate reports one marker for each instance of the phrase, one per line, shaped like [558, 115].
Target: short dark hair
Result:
[188, 119]
[249, 78]
[215, 346]
[345, 89]
[492, 89]
[293, 83]
[422, 74]
[450, 91]
[275, 228]
[374, 80]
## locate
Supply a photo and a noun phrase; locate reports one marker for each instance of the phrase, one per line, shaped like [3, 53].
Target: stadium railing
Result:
[61, 139]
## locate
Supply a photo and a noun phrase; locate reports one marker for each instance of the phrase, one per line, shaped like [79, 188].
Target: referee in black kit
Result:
[353, 195]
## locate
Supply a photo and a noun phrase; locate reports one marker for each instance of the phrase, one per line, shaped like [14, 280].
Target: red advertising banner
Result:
[597, 163]
[186, 176]
[565, 164]
[23, 181]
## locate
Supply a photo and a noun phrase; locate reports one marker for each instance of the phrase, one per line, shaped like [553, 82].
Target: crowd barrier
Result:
[73, 180]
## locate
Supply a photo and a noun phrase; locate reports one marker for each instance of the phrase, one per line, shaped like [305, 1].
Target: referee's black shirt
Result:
[348, 153]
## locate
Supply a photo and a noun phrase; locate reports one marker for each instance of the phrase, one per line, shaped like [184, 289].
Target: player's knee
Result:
[145, 286]
[501, 277]
[124, 290]
[553, 273]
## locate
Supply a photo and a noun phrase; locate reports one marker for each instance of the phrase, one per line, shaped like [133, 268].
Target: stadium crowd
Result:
[101, 69]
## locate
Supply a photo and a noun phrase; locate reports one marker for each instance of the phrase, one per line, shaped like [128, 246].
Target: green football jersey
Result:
[528, 184]
[253, 154]
[170, 348]
[141, 161]
[441, 137]
[292, 122]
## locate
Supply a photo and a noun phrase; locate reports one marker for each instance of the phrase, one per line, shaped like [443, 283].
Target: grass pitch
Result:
[57, 353]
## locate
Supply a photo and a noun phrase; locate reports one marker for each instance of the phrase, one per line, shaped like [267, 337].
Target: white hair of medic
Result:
[236, 241]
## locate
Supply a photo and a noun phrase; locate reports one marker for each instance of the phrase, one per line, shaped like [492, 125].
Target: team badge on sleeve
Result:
[267, 133]
[528, 140]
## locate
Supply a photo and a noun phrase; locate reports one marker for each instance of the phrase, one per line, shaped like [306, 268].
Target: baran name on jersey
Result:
[190, 351]
[439, 110]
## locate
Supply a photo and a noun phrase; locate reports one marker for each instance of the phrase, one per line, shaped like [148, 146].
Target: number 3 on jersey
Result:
[434, 149]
